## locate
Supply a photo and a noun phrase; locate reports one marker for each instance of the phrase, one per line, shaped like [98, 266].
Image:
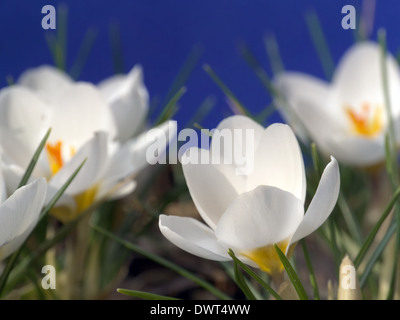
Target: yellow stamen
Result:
[83, 201]
[54, 156]
[366, 123]
[267, 258]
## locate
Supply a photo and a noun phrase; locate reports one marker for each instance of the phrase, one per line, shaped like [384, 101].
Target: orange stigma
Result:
[54, 156]
[368, 122]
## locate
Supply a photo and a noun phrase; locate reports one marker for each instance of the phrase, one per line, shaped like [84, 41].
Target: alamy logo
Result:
[49, 20]
[217, 146]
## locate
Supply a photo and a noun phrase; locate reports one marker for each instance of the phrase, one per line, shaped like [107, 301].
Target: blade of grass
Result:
[311, 273]
[240, 106]
[292, 274]
[272, 48]
[83, 53]
[34, 160]
[255, 276]
[377, 253]
[144, 295]
[116, 48]
[168, 264]
[320, 43]
[170, 108]
[241, 282]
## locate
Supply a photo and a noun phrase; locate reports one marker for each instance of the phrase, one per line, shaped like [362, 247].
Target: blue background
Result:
[160, 35]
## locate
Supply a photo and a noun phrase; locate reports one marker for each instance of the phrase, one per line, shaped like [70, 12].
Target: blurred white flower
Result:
[250, 213]
[346, 118]
[19, 214]
[99, 123]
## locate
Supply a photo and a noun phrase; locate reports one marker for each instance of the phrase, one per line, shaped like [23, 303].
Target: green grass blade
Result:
[144, 295]
[241, 282]
[377, 253]
[311, 273]
[367, 244]
[239, 105]
[34, 160]
[116, 48]
[255, 276]
[272, 48]
[219, 294]
[170, 109]
[320, 43]
[292, 274]
[83, 53]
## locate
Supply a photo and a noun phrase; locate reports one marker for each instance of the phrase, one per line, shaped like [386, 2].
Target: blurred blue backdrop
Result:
[160, 35]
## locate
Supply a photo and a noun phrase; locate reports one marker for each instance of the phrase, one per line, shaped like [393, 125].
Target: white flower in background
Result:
[98, 123]
[251, 213]
[347, 117]
[19, 214]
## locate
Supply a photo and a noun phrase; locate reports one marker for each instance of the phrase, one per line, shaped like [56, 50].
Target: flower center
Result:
[54, 156]
[366, 122]
[267, 258]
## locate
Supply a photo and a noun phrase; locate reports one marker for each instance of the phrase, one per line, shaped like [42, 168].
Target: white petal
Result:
[192, 236]
[24, 120]
[235, 140]
[95, 153]
[261, 217]
[358, 77]
[78, 114]
[357, 150]
[322, 203]
[47, 81]
[159, 137]
[279, 162]
[299, 93]
[19, 215]
[210, 186]
[128, 99]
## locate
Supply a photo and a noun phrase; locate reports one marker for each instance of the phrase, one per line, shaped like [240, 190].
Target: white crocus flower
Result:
[347, 117]
[250, 213]
[19, 214]
[97, 123]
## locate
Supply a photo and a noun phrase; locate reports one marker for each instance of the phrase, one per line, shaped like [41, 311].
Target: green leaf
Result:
[320, 43]
[241, 282]
[168, 264]
[34, 160]
[170, 109]
[311, 273]
[292, 274]
[367, 244]
[226, 90]
[144, 295]
[255, 276]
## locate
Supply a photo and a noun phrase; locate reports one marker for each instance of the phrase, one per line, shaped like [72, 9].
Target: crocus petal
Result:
[80, 111]
[234, 142]
[128, 99]
[258, 218]
[209, 186]
[156, 139]
[47, 81]
[24, 120]
[358, 76]
[19, 215]
[309, 105]
[279, 162]
[364, 151]
[95, 153]
[322, 203]
[192, 236]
